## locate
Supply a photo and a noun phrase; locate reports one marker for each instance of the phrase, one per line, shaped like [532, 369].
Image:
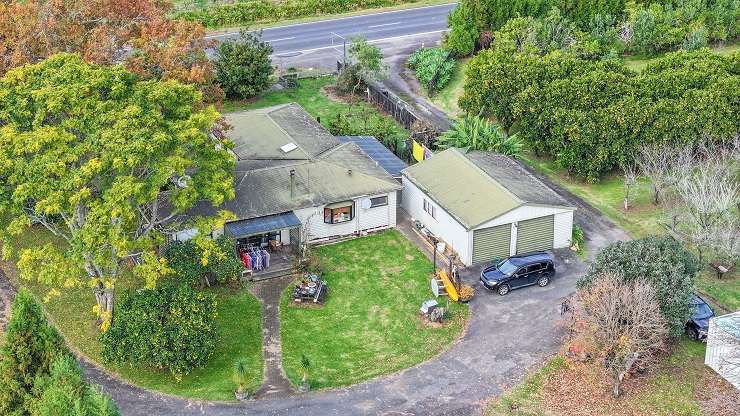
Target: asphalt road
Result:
[379, 28]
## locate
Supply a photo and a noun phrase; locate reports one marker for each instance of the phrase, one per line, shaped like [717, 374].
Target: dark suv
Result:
[518, 271]
[698, 325]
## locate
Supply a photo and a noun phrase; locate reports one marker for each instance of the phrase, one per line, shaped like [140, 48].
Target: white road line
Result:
[278, 40]
[369, 41]
[384, 24]
[221, 35]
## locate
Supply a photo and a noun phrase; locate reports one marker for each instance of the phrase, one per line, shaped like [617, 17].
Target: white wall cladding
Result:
[524, 212]
[563, 229]
[444, 226]
[365, 219]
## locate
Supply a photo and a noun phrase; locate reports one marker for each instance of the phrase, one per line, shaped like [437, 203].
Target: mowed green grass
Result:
[607, 195]
[311, 96]
[370, 323]
[447, 98]
[239, 327]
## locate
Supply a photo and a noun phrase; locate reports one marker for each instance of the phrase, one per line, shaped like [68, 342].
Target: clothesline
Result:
[254, 258]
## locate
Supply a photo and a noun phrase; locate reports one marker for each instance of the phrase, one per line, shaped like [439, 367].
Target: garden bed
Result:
[368, 326]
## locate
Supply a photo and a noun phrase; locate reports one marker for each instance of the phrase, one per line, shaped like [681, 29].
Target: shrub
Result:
[477, 133]
[661, 262]
[247, 12]
[243, 65]
[170, 327]
[433, 67]
[186, 259]
[31, 345]
[38, 374]
[64, 392]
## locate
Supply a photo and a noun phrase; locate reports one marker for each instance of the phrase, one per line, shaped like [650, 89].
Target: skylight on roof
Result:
[287, 148]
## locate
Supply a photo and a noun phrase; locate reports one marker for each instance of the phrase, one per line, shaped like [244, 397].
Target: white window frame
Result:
[430, 209]
[383, 198]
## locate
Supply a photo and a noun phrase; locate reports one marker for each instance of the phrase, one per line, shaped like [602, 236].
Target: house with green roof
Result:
[294, 180]
[485, 206]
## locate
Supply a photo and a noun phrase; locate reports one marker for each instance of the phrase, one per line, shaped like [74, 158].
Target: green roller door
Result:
[535, 234]
[491, 243]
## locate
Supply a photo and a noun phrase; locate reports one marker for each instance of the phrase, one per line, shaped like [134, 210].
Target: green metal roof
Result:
[461, 188]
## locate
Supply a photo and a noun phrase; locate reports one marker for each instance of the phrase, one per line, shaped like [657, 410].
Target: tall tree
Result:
[243, 65]
[30, 347]
[105, 32]
[103, 161]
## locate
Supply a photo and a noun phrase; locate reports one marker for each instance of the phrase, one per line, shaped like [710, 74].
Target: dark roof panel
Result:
[262, 224]
[377, 152]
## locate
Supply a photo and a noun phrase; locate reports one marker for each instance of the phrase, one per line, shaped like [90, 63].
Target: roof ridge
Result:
[356, 171]
[489, 177]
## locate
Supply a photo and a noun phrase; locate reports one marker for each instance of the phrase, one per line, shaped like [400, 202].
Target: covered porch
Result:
[267, 246]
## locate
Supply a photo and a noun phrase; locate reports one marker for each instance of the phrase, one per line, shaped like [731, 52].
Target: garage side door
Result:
[535, 234]
[491, 243]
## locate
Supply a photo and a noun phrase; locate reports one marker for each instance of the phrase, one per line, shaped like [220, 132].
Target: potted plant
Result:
[466, 293]
[241, 376]
[305, 367]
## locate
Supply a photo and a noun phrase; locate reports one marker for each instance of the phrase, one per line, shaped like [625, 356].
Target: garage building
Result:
[485, 205]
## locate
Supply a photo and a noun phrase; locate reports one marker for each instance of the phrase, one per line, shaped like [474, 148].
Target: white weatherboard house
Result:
[723, 347]
[485, 206]
[292, 174]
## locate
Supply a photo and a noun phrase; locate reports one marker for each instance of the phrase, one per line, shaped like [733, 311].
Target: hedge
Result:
[264, 11]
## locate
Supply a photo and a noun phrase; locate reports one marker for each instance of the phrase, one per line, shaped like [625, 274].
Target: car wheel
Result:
[692, 333]
[543, 281]
[503, 289]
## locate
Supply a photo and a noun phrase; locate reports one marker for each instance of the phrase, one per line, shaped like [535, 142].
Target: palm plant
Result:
[477, 133]
[306, 367]
[241, 375]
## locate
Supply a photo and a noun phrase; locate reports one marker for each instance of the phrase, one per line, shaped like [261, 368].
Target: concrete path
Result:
[275, 384]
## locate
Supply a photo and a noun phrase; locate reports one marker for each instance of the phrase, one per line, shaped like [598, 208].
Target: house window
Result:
[339, 212]
[379, 201]
[430, 209]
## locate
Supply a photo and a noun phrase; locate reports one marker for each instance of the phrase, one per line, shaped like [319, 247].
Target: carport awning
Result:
[263, 224]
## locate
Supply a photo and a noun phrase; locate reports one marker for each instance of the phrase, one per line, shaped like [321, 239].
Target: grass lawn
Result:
[370, 324]
[239, 325]
[447, 99]
[638, 63]
[607, 196]
[680, 385]
[310, 94]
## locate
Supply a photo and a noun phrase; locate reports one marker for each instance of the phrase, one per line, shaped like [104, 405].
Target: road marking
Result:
[222, 35]
[369, 41]
[383, 25]
[278, 40]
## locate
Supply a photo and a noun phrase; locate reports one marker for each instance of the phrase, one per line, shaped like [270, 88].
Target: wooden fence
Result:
[391, 103]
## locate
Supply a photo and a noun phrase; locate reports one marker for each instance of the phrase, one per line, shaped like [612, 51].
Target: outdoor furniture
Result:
[720, 268]
[275, 245]
[310, 289]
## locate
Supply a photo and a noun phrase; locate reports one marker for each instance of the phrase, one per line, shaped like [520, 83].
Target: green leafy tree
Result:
[103, 162]
[64, 392]
[243, 66]
[30, 347]
[659, 261]
[171, 327]
[365, 62]
[477, 133]
[463, 34]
